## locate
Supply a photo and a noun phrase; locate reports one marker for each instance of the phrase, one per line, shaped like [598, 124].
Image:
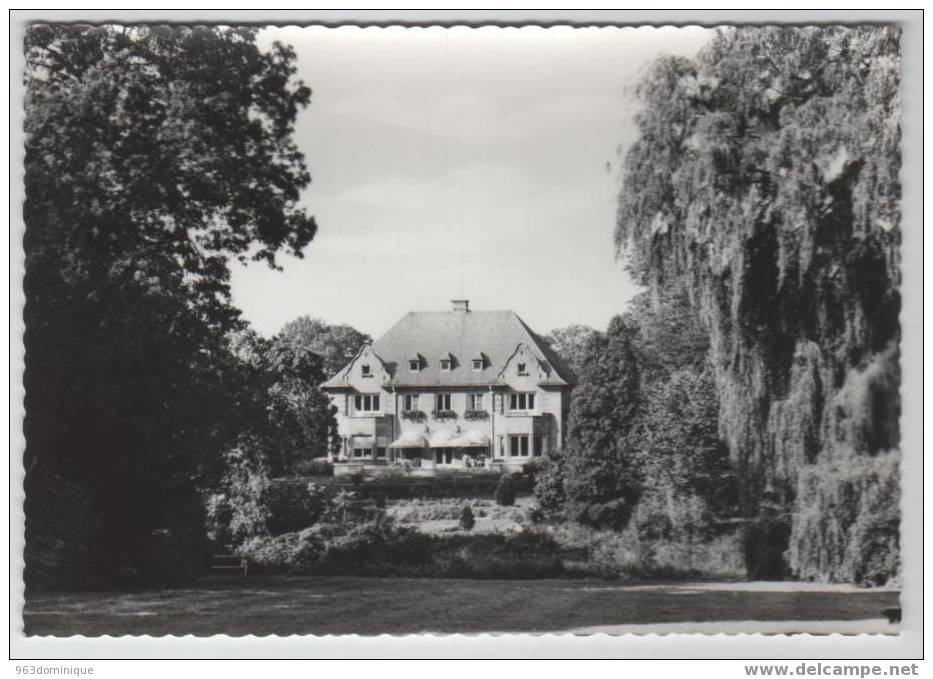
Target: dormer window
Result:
[477, 364]
[447, 362]
[414, 365]
[522, 368]
[366, 370]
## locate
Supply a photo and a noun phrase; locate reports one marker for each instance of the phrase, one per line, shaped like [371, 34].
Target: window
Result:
[477, 364]
[445, 364]
[539, 445]
[522, 368]
[366, 403]
[475, 401]
[380, 453]
[411, 401]
[518, 445]
[442, 402]
[365, 370]
[361, 452]
[414, 365]
[521, 401]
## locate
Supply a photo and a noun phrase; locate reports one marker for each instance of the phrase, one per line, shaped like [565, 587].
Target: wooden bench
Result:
[229, 564]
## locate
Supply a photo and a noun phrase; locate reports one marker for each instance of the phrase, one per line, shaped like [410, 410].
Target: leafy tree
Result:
[676, 429]
[667, 455]
[335, 344]
[602, 480]
[765, 180]
[669, 335]
[302, 422]
[570, 343]
[153, 155]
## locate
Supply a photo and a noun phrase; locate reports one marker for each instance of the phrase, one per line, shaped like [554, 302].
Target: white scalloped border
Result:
[543, 645]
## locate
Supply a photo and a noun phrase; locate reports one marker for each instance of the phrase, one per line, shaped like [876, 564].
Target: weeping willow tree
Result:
[765, 180]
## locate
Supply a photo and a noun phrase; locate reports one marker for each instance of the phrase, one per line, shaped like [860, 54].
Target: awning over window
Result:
[443, 439]
[472, 438]
[367, 441]
[409, 439]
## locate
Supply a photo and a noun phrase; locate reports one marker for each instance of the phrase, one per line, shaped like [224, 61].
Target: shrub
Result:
[218, 516]
[466, 519]
[374, 547]
[534, 467]
[522, 555]
[624, 555]
[549, 485]
[505, 491]
[535, 515]
[293, 506]
[613, 513]
[297, 552]
[664, 513]
[238, 510]
[612, 554]
[317, 467]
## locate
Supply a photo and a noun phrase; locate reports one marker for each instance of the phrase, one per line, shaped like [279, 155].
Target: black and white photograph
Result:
[461, 329]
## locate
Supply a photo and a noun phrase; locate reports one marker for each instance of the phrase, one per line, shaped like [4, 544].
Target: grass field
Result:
[343, 605]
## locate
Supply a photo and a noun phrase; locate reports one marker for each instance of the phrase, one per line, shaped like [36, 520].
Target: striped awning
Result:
[472, 438]
[443, 439]
[409, 439]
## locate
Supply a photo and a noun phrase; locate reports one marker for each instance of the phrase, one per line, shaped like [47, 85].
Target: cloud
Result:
[442, 156]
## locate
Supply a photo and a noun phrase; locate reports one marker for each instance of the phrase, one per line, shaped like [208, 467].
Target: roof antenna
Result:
[461, 259]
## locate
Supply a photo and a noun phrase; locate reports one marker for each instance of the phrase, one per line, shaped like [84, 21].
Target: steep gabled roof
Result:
[432, 334]
[341, 379]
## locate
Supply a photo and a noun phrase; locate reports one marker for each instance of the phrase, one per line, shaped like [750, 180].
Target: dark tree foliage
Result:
[570, 343]
[549, 485]
[602, 482]
[505, 491]
[153, 155]
[301, 423]
[689, 483]
[765, 181]
[335, 344]
[467, 520]
[643, 430]
[669, 335]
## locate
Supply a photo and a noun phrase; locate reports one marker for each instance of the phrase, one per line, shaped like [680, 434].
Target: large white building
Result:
[452, 389]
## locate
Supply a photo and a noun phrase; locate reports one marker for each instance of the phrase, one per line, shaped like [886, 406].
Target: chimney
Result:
[461, 305]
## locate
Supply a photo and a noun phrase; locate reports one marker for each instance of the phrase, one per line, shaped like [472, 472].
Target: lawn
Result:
[349, 605]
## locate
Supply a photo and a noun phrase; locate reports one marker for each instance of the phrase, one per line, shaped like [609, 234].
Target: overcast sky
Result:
[449, 162]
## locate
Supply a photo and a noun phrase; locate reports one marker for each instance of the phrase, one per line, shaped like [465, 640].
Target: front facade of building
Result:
[457, 389]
